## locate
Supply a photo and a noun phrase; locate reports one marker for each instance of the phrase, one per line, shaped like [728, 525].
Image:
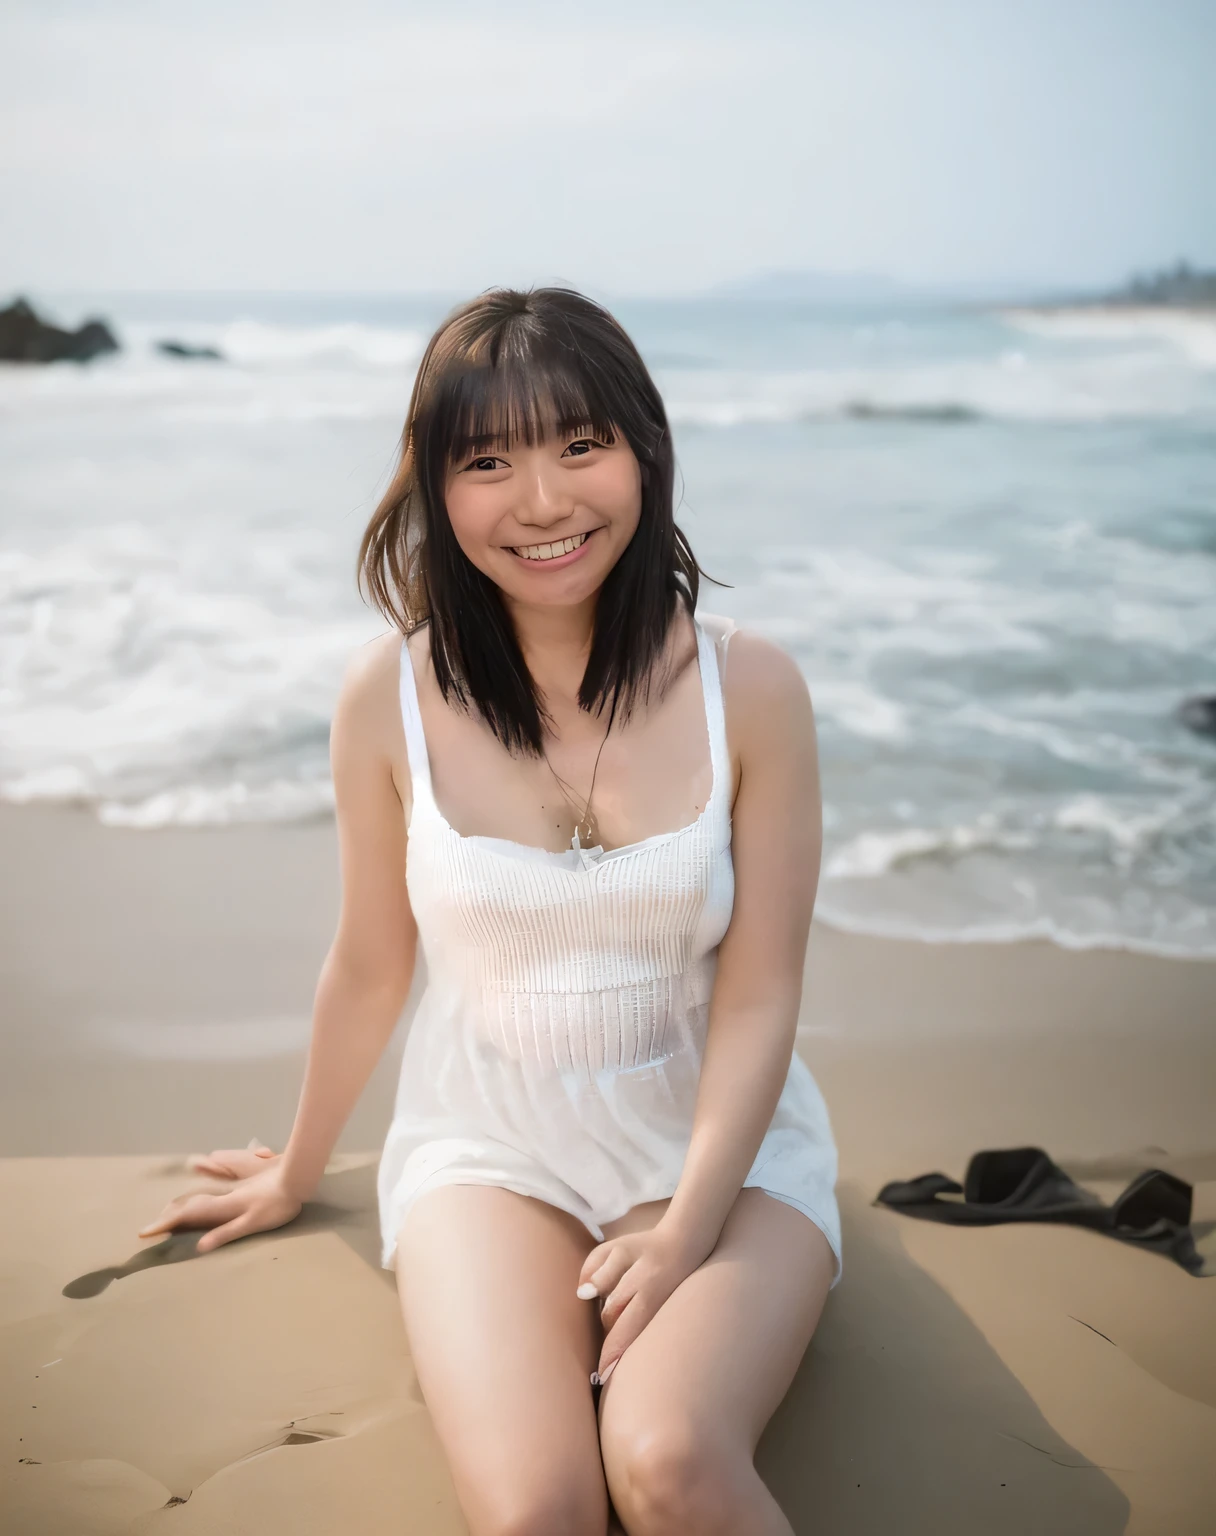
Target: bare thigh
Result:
[692, 1394]
[504, 1351]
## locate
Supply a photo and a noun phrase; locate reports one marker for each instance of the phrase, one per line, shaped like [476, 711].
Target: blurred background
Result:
[908, 277]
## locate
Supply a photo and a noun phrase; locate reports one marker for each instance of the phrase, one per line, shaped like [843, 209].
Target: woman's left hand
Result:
[633, 1275]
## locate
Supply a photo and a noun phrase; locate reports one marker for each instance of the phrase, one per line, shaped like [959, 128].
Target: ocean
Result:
[989, 539]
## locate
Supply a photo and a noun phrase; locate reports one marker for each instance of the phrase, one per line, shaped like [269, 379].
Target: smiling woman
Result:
[497, 500]
[524, 408]
[607, 845]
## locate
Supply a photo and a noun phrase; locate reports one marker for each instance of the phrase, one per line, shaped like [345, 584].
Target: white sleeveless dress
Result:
[557, 1045]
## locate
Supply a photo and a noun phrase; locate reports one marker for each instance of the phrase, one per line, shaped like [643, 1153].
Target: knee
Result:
[676, 1481]
[555, 1512]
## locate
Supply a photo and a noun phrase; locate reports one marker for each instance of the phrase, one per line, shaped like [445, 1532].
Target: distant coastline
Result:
[1181, 288]
[1178, 287]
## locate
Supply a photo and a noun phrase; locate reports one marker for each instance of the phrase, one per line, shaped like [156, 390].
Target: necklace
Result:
[584, 824]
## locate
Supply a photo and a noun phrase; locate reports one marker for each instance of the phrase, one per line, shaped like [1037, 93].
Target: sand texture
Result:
[1000, 1380]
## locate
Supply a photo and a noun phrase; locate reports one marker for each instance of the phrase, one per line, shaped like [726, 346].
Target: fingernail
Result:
[586, 1291]
[602, 1381]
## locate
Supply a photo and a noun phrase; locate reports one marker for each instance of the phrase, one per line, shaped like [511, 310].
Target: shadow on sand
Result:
[902, 1417]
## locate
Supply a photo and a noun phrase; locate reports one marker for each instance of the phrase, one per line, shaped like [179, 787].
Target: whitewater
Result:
[988, 538]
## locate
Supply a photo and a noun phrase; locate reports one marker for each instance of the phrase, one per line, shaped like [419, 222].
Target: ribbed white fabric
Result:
[557, 1046]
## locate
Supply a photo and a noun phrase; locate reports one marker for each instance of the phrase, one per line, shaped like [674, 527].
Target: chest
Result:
[524, 920]
[648, 774]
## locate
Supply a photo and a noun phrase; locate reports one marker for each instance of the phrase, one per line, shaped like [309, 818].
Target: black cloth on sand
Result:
[1023, 1184]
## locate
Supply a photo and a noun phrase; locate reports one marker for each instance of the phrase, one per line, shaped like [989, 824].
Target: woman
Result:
[608, 1187]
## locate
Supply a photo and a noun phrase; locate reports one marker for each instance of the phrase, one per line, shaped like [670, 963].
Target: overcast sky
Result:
[632, 148]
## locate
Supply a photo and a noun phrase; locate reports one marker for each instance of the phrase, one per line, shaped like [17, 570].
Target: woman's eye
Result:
[487, 461]
[581, 446]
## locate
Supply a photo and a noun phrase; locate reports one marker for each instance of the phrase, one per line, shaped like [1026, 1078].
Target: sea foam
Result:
[988, 541]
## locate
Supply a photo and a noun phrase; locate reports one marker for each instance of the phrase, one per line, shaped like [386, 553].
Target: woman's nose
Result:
[544, 501]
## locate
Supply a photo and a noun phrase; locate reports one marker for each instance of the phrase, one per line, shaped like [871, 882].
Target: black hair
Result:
[514, 365]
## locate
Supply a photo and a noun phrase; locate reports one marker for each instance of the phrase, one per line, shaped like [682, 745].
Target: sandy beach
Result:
[155, 1002]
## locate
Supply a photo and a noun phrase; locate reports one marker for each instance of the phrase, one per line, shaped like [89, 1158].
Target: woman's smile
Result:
[556, 554]
[567, 504]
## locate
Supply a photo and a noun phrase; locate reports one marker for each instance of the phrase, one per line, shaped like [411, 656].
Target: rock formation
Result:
[1199, 714]
[24, 338]
[184, 349]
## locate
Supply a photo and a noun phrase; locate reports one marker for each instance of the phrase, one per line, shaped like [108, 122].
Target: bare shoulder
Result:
[765, 691]
[368, 709]
[770, 727]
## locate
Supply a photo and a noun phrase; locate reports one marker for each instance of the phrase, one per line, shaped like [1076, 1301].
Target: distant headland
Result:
[805, 287]
[1180, 287]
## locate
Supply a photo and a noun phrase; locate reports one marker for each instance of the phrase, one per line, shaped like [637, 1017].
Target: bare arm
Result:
[365, 977]
[367, 972]
[776, 843]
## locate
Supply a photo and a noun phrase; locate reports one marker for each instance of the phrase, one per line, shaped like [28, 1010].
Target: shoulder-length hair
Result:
[506, 366]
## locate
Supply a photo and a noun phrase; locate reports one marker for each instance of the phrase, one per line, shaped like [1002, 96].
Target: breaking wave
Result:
[987, 540]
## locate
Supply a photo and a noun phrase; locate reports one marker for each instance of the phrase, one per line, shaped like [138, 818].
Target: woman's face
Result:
[547, 523]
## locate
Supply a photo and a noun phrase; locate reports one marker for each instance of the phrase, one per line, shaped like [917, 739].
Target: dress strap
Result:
[715, 709]
[411, 720]
[719, 629]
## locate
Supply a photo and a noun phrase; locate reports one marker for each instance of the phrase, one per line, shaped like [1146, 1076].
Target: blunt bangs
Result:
[518, 366]
[479, 408]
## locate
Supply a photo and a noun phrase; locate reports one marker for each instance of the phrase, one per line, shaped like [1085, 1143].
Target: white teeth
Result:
[550, 551]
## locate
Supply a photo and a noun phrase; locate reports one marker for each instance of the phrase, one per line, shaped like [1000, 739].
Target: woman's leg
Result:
[684, 1409]
[504, 1351]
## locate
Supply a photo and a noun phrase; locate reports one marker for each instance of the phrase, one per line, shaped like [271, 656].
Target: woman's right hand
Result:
[233, 1162]
[256, 1203]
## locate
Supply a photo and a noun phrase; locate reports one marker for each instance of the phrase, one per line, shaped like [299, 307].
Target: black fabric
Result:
[1023, 1184]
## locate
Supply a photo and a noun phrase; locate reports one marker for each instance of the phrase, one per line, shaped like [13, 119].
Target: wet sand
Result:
[155, 992]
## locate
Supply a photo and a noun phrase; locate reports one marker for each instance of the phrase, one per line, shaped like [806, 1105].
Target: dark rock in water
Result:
[1199, 714]
[948, 411]
[184, 349]
[24, 338]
